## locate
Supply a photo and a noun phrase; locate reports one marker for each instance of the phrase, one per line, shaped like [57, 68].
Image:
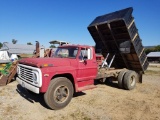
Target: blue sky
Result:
[67, 20]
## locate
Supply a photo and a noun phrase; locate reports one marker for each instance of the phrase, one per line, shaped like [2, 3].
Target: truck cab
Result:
[72, 68]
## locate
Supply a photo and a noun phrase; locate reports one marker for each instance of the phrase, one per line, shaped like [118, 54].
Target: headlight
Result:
[18, 70]
[34, 76]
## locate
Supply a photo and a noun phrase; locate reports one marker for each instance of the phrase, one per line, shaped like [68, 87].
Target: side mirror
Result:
[125, 47]
[84, 60]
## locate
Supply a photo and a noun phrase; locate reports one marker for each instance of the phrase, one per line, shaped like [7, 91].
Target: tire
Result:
[120, 79]
[130, 79]
[59, 93]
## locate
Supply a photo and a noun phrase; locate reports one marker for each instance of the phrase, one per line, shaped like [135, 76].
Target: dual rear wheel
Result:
[127, 79]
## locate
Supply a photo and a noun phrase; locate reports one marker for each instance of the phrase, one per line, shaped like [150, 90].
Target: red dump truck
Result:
[73, 68]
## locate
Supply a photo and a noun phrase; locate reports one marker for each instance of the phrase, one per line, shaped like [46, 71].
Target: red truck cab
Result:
[72, 68]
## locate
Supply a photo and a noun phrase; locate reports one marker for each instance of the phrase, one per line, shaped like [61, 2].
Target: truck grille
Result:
[25, 73]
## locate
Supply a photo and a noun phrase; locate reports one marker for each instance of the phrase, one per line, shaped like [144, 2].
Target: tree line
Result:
[153, 49]
[147, 50]
[14, 41]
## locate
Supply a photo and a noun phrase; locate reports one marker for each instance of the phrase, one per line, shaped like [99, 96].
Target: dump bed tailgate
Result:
[111, 30]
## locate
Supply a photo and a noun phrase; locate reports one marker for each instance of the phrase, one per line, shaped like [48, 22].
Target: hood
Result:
[39, 62]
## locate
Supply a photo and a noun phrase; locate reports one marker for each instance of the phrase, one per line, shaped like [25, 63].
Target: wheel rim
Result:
[61, 94]
[132, 80]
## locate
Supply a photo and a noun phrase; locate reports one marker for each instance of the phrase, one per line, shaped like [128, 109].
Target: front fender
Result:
[51, 72]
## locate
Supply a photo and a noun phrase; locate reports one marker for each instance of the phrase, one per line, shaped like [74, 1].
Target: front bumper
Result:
[28, 86]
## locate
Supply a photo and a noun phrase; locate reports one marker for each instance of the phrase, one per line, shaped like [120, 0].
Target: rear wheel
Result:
[120, 79]
[130, 79]
[59, 93]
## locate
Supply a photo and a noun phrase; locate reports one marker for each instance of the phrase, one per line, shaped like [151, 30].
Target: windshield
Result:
[66, 52]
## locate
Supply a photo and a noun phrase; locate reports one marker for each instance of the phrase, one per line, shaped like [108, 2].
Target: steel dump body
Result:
[110, 31]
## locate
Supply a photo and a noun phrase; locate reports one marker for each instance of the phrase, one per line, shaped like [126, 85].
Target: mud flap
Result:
[140, 74]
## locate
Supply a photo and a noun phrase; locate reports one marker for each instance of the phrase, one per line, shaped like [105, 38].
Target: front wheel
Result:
[59, 93]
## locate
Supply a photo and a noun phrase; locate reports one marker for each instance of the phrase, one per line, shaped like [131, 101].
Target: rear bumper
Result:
[28, 86]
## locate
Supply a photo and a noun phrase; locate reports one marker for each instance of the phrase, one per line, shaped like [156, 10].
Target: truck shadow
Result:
[33, 97]
[77, 94]
[30, 96]
[108, 82]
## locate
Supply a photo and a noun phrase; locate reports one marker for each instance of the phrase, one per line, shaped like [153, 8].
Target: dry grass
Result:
[152, 72]
[106, 102]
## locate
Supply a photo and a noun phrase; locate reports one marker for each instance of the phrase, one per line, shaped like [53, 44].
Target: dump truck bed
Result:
[110, 31]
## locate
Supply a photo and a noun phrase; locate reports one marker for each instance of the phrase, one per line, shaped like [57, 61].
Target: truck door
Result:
[87, 66]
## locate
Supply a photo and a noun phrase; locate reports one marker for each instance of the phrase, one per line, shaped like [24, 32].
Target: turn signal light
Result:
[46, 65]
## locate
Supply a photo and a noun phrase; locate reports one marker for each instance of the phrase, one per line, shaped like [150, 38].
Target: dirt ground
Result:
[106, 102]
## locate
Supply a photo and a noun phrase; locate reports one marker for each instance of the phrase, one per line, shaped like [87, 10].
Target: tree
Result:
[14, 41]
[1, 44]
[29, 43]
[157, 48]
[154, 49]
[148, 50]
[52, 46]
